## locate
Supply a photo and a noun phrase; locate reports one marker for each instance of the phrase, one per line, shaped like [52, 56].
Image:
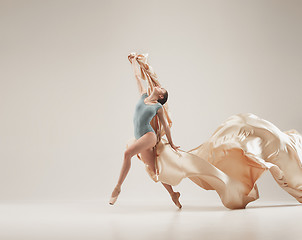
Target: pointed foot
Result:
[175, 197]
[114, 195]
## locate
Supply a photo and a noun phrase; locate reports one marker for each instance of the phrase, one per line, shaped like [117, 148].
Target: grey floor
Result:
[148, 220]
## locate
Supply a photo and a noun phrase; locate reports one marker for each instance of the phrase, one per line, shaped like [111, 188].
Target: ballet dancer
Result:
[145, 137]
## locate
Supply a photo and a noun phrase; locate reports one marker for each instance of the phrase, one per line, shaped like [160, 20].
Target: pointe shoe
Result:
[113, 199]
[175, 198]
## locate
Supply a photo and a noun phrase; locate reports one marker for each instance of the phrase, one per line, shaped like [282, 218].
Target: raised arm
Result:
[138, 76]
[161, 117]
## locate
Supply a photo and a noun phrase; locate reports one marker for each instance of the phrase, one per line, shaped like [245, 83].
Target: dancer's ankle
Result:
[116, 191]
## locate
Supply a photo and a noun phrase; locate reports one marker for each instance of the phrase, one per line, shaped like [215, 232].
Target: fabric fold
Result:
[231, 164]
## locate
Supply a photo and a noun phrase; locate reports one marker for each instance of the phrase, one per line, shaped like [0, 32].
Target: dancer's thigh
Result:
[147, 141]
[148, 156]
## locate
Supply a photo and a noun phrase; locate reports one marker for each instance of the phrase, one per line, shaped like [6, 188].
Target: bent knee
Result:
[128, 154]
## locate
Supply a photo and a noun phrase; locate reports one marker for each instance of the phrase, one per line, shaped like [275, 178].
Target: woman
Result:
[147, 107]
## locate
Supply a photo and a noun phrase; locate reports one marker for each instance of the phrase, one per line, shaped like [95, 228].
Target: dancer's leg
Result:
[168, 187]
[174, 195]
[148, 157]
[147, 141]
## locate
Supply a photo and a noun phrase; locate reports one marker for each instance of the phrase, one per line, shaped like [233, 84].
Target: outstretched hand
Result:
[133, 58]
[175, 147]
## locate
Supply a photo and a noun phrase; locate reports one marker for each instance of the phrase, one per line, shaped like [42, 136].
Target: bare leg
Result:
[148, 156]
[124, 171]
[145, 142]
[168, 187]
[174, 195]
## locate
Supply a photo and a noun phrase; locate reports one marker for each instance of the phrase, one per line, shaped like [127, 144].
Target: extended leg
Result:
[145, 142]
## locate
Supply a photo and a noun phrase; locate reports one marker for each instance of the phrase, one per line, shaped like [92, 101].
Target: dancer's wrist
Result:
[174, 146]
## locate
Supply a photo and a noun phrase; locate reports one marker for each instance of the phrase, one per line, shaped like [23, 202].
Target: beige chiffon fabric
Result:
[235, 156]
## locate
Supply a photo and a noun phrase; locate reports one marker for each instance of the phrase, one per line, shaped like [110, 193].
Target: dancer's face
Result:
[160, 90]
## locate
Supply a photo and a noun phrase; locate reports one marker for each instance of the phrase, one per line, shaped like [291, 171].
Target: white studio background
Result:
[68, 93]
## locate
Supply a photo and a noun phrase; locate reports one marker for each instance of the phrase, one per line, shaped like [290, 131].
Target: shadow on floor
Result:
[277, 206]
[155, 208]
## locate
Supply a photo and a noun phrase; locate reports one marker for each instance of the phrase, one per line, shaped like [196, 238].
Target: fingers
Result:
[176, 148]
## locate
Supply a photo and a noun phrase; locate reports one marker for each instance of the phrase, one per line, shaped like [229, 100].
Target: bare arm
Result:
[161, 117]
[138, 76]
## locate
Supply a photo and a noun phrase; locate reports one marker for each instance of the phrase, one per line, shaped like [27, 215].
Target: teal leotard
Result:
[143, 115]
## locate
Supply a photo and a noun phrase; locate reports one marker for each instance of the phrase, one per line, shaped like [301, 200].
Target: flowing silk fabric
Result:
[235, 156]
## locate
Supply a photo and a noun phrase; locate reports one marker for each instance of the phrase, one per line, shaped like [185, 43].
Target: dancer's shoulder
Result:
[144, 94]
[159, 107]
